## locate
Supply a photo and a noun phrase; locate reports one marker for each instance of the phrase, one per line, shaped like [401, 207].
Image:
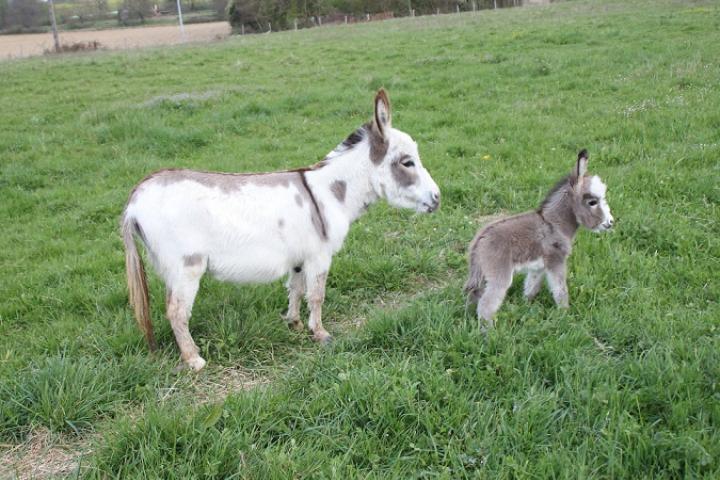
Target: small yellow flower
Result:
[486, 157]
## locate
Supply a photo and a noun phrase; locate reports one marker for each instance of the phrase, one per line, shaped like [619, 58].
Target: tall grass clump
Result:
[69, 395]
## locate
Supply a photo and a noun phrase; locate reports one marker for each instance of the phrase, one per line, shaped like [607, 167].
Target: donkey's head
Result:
[398, 176]
[589, 203]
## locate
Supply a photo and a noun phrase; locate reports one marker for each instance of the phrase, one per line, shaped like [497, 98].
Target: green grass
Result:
[624, 384]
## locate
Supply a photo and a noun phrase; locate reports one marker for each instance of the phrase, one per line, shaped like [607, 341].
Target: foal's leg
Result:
[315, 277]
[496, 287]
[533, 282]
[296, 288]
[556, 276]
[180, 299]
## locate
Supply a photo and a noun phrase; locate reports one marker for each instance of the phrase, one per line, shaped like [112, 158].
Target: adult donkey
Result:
[255, 228]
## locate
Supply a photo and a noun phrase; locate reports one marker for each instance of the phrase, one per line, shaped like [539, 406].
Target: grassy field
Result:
[624, 384]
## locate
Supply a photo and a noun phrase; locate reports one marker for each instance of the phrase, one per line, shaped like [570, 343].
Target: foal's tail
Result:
[474, 285]
[137, 281]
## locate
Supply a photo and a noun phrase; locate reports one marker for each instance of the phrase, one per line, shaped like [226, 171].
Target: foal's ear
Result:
[383, 115]
[581, 168]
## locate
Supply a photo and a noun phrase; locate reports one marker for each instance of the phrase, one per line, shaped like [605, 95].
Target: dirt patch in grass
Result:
[17, 46]
[482, 220]
[43, 455]
[214, 384]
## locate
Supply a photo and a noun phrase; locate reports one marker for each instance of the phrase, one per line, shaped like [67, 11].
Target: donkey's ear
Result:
[581, 168]
[383, 114]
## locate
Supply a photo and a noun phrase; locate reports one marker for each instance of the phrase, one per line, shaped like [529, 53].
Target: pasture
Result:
[623, 384]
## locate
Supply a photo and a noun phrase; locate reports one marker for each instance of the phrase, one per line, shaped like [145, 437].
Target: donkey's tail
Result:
[137, 281]
[474, 285]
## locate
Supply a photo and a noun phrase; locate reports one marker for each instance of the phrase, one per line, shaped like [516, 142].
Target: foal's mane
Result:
[560, 188]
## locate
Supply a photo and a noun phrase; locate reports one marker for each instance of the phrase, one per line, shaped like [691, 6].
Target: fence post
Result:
[180, 20]
[269, 27]
[437, 11]
[474, 6]
[242, 29]
[457, 8]
[367, 16]
[295, 24]
[319, 20]
[412, 12]
[495, 4]
[54, 27]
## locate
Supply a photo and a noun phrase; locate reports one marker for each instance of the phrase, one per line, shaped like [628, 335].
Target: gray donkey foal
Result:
[536, 242]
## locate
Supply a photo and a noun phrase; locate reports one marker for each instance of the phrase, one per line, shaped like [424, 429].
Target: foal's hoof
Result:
[485, 325]
[293, 323]
[322, 337]
[196, 363]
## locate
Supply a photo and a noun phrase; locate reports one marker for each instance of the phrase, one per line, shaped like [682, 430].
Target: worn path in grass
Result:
[624, 384]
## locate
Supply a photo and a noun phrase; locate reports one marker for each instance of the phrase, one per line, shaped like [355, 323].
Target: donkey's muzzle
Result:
[434, 203]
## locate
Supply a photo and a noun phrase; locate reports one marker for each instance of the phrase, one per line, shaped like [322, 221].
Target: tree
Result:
[134, 10]
[24, 14]
[3, 13]
[220, 7]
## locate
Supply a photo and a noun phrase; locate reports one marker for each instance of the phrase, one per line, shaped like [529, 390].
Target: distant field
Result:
[625, 384]
[15, 46]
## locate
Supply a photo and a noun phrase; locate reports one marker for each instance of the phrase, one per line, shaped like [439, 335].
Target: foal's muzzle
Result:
[605, 226]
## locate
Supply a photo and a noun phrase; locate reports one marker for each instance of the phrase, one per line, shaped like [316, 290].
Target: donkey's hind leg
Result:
[533, 282]
[296, 288]
[495, 289]
[180, 298]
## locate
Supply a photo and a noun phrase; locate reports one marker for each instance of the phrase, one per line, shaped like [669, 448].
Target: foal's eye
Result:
[407, 163]
[592, 203]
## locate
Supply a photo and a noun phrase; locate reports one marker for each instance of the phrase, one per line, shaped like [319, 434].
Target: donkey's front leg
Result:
[296, 288]
[556, 276]
[315, 278]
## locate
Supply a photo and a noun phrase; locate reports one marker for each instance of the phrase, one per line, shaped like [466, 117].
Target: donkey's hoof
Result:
[196, 363]
[322, 337]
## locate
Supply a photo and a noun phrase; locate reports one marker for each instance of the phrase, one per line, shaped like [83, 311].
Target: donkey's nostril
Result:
[436, 197]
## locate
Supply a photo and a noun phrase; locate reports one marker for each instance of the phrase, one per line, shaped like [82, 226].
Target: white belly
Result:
[253, 264]
[532, 266]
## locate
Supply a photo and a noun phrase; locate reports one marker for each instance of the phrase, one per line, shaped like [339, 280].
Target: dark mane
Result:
[349, 143]
[562, 183]
[354, 138]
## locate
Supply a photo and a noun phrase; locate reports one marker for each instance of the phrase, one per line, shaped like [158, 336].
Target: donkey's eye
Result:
[407, 163]
[592, 203]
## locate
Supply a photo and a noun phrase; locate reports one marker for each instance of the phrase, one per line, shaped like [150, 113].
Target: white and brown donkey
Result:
[257, 228]
[536, 242]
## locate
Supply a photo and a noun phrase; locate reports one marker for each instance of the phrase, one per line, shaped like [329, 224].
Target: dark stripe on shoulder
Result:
[318, 214]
